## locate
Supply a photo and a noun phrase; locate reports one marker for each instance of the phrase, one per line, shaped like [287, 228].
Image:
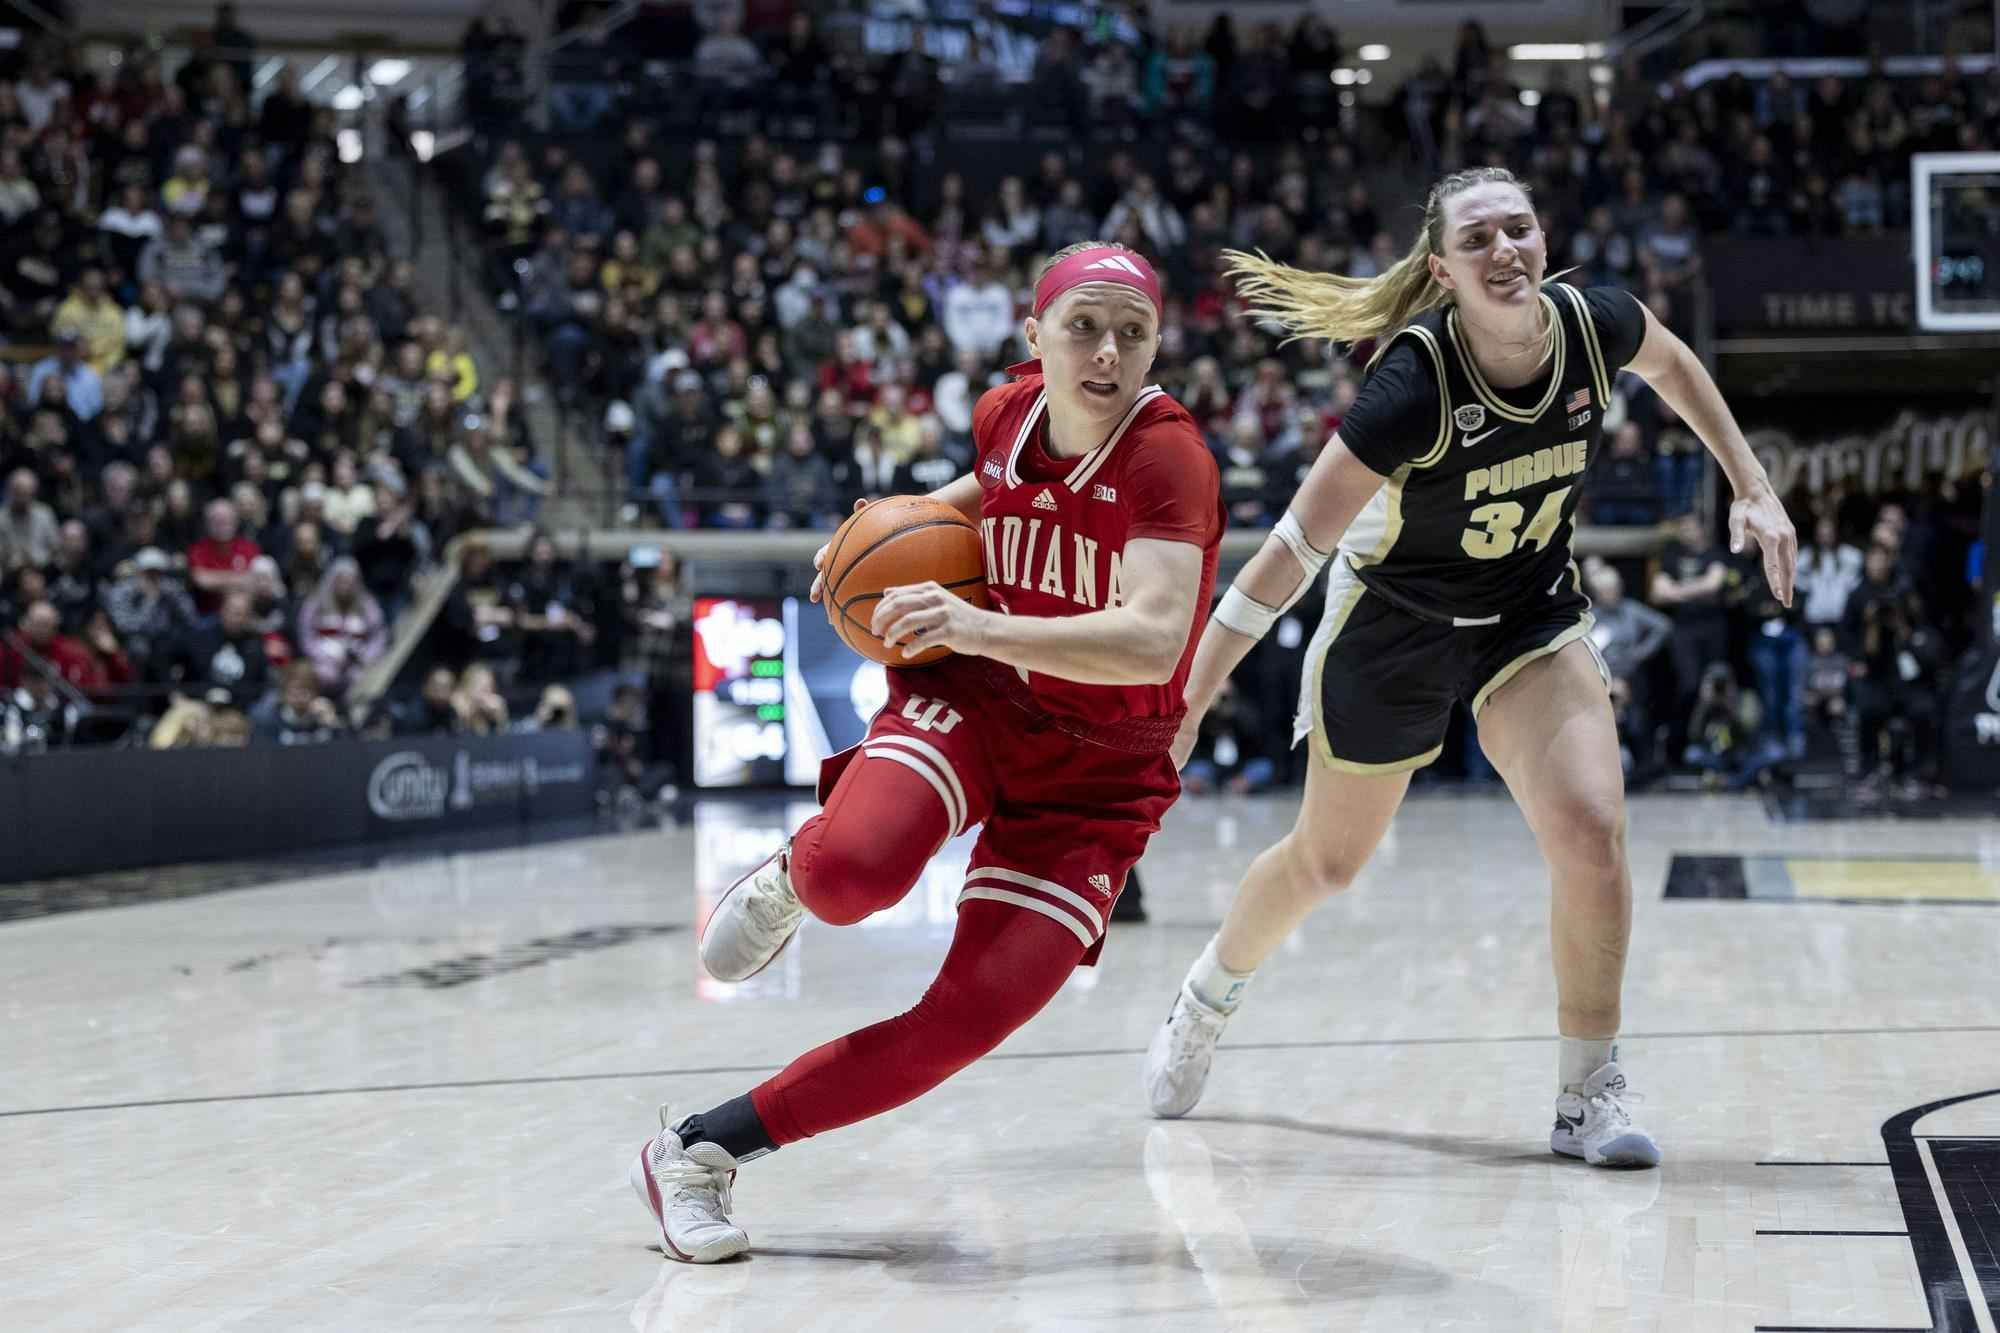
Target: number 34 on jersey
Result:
[1496, 528]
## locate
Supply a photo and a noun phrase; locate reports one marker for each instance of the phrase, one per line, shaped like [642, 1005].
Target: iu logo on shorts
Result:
[931, 714]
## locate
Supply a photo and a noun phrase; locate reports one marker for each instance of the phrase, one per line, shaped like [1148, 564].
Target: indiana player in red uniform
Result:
[1050, 726]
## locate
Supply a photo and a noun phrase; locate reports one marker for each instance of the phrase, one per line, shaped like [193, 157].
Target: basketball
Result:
[903, 539]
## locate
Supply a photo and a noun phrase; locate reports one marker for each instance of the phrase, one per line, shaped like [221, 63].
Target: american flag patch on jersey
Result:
[1578, 400]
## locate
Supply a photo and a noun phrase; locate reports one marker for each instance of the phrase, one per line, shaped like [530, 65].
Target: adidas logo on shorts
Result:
[1045, 501]
[1102, 883]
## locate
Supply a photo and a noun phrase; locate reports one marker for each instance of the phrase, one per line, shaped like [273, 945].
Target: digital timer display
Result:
[1955, 241]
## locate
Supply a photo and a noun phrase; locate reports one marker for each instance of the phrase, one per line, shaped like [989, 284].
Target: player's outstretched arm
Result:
[1137, 643]
[1756, 514]
[1336, 489]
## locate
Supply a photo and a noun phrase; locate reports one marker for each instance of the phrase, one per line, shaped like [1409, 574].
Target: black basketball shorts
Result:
[1379, 681]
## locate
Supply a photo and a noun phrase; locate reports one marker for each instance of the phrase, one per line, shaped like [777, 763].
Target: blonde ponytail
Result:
[1332, 306]
[1352, 310]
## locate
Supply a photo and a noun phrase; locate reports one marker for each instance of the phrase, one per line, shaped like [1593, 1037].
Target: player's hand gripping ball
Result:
[926, 552]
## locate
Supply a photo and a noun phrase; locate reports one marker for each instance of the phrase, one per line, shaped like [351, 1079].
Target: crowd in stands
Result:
[1721, 675]
[229, 439]
[768, 327]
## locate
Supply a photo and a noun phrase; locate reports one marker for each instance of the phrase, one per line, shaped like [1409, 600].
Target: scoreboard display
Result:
[1955, 240]
[775, 692]
[739, 691]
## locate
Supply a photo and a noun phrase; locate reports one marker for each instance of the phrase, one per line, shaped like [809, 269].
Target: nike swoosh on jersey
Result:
[1471, 440]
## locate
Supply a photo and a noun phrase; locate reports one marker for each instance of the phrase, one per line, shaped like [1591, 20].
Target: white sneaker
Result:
[687, 1192]
[753, 922]
[1592, 1123]
[1177, 1061]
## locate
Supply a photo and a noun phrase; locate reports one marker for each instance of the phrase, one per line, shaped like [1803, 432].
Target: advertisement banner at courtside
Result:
[76, 812]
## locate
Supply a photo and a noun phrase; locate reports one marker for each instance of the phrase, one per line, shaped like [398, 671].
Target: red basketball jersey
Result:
[1055, 530]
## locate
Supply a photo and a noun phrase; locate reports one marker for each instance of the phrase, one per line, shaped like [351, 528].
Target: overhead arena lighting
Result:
[1555, 51]
[388, 73]
[1374, 51]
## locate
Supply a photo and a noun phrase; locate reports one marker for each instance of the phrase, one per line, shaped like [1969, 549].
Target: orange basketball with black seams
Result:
[901, 540]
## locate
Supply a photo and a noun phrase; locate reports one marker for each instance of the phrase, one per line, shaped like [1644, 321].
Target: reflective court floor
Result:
[405, 1097]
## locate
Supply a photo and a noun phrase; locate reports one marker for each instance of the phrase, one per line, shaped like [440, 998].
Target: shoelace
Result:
[692, 1182]
[1613, 1107]
[770, 911]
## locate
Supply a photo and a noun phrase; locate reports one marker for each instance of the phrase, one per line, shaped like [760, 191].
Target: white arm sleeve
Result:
[1311, 559]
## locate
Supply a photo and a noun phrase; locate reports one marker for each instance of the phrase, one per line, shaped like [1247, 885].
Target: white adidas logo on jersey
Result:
[1102, 883]
[1045, 501]
[1118, 262]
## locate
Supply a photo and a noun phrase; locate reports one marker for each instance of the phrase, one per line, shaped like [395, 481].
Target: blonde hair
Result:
[1352, 310]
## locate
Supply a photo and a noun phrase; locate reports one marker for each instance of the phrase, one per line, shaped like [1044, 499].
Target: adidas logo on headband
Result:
[1120, 263]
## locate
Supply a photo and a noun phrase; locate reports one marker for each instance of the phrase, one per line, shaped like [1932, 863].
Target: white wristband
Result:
[1245, 615]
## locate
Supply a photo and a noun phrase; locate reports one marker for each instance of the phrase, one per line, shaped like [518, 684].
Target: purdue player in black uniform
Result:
[1446, 503]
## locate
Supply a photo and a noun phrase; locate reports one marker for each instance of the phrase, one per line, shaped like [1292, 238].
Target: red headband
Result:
[1101, 263]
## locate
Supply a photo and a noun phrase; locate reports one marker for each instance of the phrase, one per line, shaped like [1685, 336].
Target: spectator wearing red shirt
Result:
[220, 562]
[95, 665]
[871, 232]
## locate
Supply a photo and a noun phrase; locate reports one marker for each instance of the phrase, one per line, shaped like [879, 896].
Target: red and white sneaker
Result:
[686, 1189]
[754, 921]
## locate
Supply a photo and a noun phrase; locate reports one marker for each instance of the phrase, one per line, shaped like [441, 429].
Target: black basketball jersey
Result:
[1480, 507]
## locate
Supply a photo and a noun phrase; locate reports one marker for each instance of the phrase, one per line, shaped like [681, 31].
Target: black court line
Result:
[1762, 1232]
[1952, 1233]
[1774, 1163]
[1836, 1328]
[1961, 1138]
[530, 1080]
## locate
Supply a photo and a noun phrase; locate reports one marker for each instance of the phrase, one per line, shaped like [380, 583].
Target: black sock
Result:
[733, 1127]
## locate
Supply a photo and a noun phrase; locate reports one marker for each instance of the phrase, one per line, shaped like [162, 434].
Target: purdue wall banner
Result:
[74, 812]
[1768, 286]
[1915, 452]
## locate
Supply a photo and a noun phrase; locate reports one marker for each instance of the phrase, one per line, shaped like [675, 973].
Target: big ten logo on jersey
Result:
[931, 714]
[1496, 527]
[1033, 555]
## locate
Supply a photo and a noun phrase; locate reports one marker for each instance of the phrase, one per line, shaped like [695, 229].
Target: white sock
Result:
[1219, 988]
[1583, 1056]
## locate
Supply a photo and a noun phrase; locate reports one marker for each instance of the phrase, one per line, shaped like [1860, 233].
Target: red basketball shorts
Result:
[1064, 819]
